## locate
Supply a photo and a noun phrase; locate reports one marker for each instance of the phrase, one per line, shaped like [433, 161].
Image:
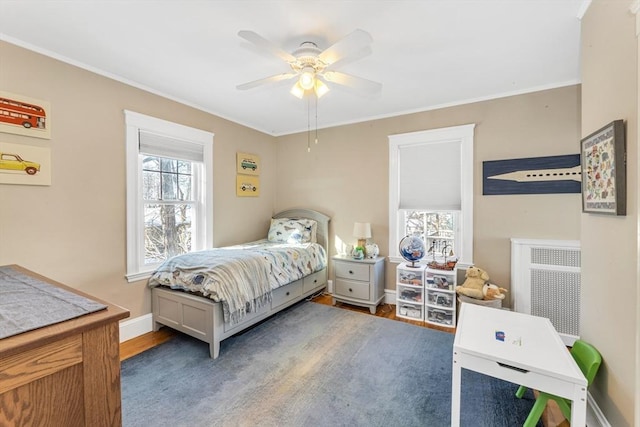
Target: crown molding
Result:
[583, 9]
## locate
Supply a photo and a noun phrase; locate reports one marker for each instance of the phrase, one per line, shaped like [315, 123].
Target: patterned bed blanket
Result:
[240, 277]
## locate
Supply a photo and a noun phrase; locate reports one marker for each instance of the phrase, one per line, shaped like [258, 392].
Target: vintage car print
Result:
[16, 163]
[248, 187]
[248, 164]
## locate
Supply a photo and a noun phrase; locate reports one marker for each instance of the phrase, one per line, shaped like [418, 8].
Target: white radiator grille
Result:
[558, 257]
[545, 281]
[556, 295]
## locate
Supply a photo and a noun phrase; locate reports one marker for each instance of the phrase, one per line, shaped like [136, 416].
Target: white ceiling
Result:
[427, 54]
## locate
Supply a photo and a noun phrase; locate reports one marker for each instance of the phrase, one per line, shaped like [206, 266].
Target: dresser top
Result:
[38, 337]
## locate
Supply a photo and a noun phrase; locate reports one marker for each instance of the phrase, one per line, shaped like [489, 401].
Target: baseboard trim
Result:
[595, 417]
[135, 327]
[389, 296]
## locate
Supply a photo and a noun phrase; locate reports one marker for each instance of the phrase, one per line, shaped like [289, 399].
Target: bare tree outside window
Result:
[168, 207]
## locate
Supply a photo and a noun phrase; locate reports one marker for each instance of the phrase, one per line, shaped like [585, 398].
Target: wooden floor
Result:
[552, 416]
[145, 342]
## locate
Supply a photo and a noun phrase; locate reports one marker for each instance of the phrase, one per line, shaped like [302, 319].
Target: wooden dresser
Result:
[67, 374]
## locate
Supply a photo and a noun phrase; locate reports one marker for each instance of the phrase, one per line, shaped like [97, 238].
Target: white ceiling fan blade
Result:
[265, 44]
[349, 44]
[266, 80]
[358, 84]
[365, 51]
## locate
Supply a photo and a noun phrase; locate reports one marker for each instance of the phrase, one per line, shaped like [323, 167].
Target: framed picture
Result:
[24, 164]
[247, 164]
[25, 116]
[604, 171]
[247, 186]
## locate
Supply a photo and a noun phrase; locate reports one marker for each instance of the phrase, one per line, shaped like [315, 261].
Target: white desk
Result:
[532, 354]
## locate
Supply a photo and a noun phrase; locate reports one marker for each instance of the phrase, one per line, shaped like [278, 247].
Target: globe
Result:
[412, 248]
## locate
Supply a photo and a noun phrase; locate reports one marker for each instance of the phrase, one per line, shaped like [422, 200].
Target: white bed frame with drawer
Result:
[202, 318]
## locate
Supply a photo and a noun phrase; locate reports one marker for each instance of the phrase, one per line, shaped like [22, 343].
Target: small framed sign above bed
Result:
[247, 164]
[247, 186]
[247, 178]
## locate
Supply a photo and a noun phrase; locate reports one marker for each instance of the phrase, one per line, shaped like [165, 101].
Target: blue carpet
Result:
[313, 365]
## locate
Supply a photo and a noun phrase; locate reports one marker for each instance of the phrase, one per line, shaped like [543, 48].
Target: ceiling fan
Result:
[314, 68]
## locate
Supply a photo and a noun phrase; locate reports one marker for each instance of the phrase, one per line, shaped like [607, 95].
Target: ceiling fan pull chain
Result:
[316, 97]
[308, 125]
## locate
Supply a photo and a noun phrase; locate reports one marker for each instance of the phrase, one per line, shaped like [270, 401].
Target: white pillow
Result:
[292, 230]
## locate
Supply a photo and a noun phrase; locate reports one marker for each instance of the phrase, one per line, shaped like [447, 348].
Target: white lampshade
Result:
[320, 88]
[297, 90]
[307, 78]
[362, 230]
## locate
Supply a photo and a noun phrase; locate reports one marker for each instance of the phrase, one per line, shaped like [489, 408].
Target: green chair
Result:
[588, 359]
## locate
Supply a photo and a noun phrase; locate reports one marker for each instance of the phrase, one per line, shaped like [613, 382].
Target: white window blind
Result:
[429, 176]
[173, 148]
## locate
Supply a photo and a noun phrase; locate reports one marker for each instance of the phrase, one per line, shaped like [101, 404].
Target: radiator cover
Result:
[545, 281]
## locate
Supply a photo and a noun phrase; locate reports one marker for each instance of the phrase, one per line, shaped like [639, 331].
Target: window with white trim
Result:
[431, 191]
[169, 175]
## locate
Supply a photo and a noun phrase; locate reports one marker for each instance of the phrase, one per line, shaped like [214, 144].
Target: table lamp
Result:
[362, 231]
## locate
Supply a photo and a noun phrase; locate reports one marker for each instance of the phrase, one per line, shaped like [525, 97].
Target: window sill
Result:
[461, 265]
[135, 277]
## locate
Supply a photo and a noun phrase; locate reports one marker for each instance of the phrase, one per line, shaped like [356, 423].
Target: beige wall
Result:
[610, 244]
[347, 174]
[74, 230]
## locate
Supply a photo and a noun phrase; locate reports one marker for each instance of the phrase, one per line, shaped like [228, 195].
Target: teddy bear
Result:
[491, 291]
[475, 278]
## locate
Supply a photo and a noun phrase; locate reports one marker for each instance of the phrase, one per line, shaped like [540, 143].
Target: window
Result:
[439, 230]
[431, 191]
[169, 174]
[168, 207]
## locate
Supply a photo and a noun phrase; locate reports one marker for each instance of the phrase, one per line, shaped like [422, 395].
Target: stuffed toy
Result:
[491, 291]
[475, 278]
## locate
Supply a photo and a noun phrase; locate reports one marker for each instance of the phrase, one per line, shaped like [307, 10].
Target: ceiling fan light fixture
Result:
[307, 78]
[297, 90]
[320, 88]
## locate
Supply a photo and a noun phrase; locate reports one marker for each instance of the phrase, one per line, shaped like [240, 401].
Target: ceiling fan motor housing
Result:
[307, 57]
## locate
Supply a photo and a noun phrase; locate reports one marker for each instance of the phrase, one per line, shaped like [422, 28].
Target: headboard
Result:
[322, 234]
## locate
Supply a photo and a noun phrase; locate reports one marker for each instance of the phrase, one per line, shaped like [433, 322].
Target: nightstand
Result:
[358, 282]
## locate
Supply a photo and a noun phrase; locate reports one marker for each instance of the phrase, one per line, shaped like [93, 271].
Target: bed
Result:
[232, 292]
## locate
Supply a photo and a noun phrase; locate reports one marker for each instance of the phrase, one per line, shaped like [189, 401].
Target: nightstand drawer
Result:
[352, 289]
[352, 271]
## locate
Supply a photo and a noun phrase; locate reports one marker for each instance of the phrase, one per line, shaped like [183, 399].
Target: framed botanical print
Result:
[604, 171]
